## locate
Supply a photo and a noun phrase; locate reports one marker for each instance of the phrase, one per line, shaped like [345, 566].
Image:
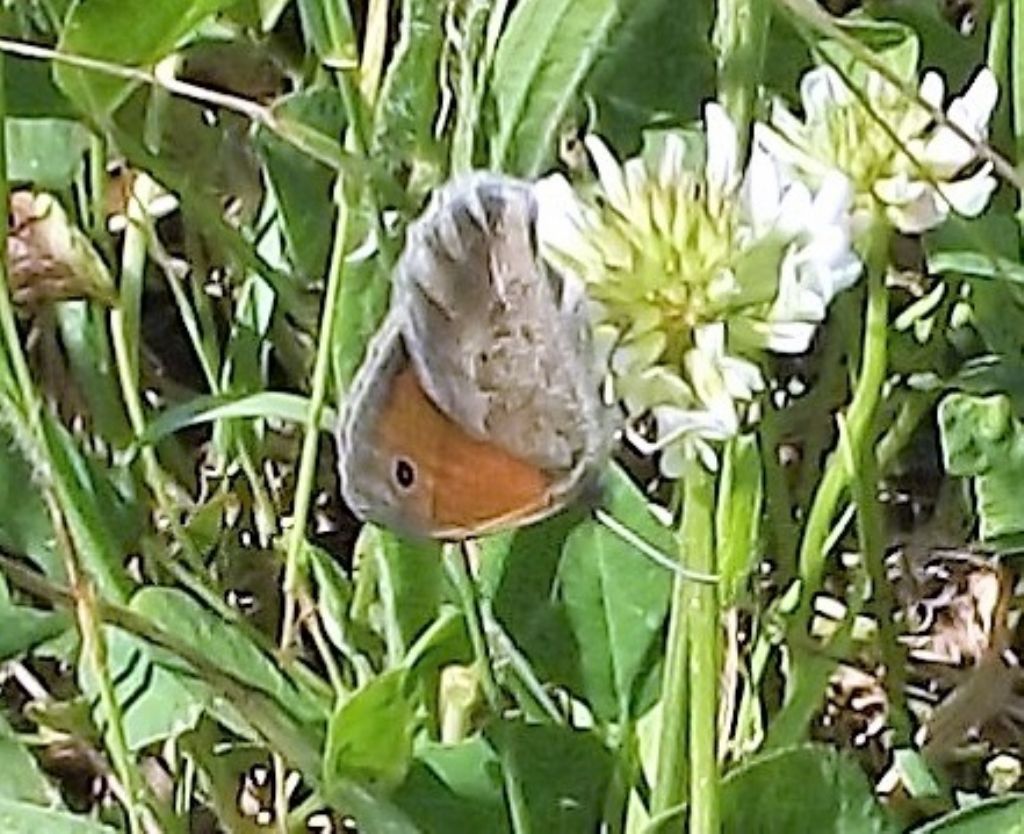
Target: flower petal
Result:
[970, 196]
[721, 170]
[613, 182]
[821, 90]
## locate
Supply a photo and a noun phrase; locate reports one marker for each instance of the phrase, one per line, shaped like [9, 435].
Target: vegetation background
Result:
[204, 201]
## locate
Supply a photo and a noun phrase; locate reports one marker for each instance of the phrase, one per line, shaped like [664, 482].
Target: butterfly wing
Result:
[407, 465]
[499, 340]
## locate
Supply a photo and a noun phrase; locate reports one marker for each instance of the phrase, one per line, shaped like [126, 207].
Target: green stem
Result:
[1015, 70]
[703, 639]
[864, 474]
[374, 48]
[669, 790]
[468, 98]
[624, 776]
[739, 37]
[306, 477]
[690, 683]
[455, 562]
[805, 690]
[518, 813]
[94, 650]
[124, 335]
[97, 187]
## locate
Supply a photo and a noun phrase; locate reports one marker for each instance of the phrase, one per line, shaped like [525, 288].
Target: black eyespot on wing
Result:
[404, 473]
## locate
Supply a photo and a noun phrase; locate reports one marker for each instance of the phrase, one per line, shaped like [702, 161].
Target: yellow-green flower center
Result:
[665, 264]
[864, 144]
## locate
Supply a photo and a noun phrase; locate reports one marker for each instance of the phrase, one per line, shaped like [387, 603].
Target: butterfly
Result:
[477, 407]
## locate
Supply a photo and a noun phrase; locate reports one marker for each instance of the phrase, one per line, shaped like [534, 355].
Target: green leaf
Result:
[23, 780]
[915, 773]
[977, 433]
[330, 32]
[104, 526]
[126, 32]
[84, 333]
[616, 598]
[410, 97]
[526, 604]
[942, 45]
[455, 788]
[1004, 815]
[24, 523]
[22, 627]
[563, 773]
[897, 45]
[658, 69]
[225, 645]
[411, 577]
[981, 439]
[157, 702]
[31, 92]
[977, 265]
[546, 53]
[990, 235]
[45, 152]
[334, 596]
[361, 307]
[992, 375]
[209, 408]
[801, 790]
[303, 186]
[22, 818]
[369, 737]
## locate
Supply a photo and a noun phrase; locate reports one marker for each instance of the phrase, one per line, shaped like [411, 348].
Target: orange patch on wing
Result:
[464, 484]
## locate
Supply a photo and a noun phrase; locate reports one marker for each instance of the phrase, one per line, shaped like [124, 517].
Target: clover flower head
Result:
[692, 270]
[889, 145]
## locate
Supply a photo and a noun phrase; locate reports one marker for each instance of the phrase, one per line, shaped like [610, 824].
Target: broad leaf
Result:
[369, 737]
[25, 524]
[546, 53]
[455, 788]
[982, 440]
[563, 774]
[615, 597]
[225, 645]
[410, 579]
[801, 790]
[22, 627]
[404, 135]
[45, 153]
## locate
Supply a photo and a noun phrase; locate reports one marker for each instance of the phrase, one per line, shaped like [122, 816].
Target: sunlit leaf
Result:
[45, 153]
[369, 737]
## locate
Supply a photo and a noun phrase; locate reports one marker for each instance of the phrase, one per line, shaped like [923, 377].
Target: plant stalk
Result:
[790, 726]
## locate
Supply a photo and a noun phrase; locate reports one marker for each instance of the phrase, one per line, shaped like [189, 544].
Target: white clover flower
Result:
[889, 146]
[693, 272]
